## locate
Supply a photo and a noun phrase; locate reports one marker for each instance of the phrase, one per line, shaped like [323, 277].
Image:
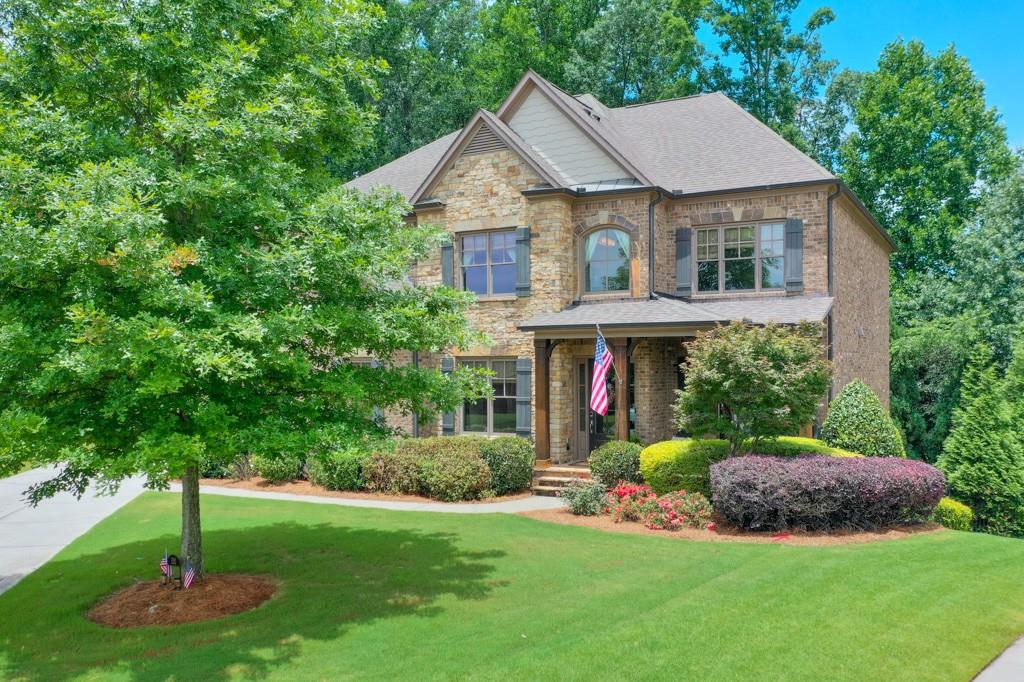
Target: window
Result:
[740, 258]
[606, 260]
[497, 415]
[489, 263]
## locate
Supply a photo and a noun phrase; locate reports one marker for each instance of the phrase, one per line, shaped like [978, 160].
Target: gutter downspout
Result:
[650, 243]
[831, 284]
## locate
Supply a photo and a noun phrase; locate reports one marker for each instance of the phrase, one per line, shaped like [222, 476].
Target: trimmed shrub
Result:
[395, 472]
[280, 469]
[584, 498]
[684, 464]
[858, 421]
[339, 470]
[681, 464]
[510, 460]
[792, 446]
[616, 461]
[953, 515]
[455, 475]
[214, 467]
[824, 493]
[674, 510]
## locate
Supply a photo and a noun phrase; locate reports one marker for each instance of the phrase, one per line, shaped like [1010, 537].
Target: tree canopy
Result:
[181, 274]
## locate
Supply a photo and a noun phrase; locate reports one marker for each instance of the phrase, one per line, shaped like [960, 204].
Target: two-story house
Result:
[653, 221]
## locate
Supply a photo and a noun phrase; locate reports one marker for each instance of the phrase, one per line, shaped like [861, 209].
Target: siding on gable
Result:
[561, 143]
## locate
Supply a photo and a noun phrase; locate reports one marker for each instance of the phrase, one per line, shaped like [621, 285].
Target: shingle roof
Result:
[690, 145]
[668, 312]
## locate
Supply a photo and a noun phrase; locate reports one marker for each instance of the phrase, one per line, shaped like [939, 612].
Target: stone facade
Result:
[483, 192]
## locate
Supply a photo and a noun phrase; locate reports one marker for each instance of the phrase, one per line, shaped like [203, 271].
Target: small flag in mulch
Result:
[189, 576]
[165, 566]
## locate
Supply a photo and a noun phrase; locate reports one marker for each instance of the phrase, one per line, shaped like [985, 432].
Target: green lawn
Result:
[375, 594]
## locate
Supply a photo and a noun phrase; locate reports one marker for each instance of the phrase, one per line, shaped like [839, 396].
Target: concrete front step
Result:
[553, 481]
[546, 491]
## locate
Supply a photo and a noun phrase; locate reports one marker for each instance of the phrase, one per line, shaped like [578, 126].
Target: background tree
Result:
[924, 140]
[778, 71]
[750, 383]
[927, 361]
[639, 51]
[982, 458]
[180, 273]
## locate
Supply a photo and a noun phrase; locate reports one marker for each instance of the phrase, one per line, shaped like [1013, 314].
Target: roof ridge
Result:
[664, 101]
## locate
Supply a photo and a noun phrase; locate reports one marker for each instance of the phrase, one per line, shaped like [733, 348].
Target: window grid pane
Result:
[500, 411]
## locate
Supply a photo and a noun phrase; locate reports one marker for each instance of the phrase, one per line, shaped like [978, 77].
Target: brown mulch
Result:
[725, 533]
[150, 603]
[307, 488]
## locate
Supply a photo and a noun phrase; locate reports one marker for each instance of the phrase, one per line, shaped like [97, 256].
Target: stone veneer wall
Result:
[860, 340]
[810, 205]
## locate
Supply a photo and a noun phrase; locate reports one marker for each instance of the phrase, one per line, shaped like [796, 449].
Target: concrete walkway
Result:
[30, 536]
[1009, 667]
[506, 507]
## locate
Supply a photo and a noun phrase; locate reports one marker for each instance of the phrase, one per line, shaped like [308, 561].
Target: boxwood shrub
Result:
[953, 515]
[616, 461]
[339, 470]
[510, 460]
[584, 498]
[278, 469]
[454, 475]
[683, 464]
[824, 493]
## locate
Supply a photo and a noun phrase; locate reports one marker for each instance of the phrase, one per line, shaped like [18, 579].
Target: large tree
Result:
[774, 71]
[181, 275]
[924, 139]
[639, 51]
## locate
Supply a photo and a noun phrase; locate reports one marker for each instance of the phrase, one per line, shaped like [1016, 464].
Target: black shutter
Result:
[524, 391]
[684, 261]
[522, 261]
[448, 418]
[448, 265]
[794, 254]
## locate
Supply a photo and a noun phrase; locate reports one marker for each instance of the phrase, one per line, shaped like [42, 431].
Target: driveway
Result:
[30, 536]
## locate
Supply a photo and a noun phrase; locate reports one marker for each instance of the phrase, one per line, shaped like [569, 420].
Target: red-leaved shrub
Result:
[625, 499]
[824, 493]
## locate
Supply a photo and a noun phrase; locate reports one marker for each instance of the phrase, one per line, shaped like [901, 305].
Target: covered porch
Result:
[648, 338]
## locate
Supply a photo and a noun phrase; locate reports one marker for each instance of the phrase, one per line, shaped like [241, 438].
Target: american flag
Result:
[189, 576]
[603, 360]
[165, 566]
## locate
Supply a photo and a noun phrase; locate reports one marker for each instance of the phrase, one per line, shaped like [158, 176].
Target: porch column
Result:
[620, 348]
[541, 362]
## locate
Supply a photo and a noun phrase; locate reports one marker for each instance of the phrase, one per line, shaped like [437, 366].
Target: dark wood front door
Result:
[592, 429]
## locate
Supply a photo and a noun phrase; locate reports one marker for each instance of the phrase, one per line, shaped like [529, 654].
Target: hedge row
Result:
[824, 493]
[684, 464]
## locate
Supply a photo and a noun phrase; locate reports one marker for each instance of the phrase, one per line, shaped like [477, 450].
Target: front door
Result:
[592, 429]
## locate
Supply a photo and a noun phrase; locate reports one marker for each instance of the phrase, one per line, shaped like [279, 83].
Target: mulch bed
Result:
[307, 488]
[150, 603]
[726, 533]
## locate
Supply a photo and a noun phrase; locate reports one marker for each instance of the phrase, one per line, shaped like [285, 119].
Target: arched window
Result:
[606, 260]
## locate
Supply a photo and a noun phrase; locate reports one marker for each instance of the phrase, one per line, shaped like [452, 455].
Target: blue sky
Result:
[987, 33]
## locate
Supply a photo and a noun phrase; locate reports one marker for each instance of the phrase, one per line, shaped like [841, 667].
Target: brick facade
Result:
[485, 192]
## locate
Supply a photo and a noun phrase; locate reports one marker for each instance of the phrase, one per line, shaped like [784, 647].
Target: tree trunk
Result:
[191, 530]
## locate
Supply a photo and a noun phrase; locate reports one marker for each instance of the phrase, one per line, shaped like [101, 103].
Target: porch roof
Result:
[665, 316]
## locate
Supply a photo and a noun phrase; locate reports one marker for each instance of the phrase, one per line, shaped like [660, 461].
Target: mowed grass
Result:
[392, 595]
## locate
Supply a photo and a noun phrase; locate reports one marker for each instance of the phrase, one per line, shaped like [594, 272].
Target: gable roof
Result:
[691, 145]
